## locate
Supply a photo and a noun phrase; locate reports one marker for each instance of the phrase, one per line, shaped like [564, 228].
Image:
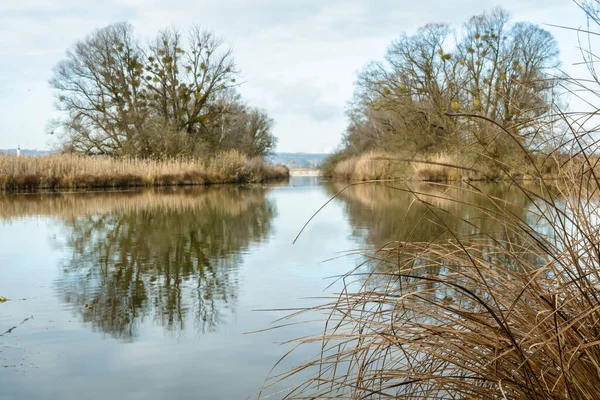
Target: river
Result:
[156, 294]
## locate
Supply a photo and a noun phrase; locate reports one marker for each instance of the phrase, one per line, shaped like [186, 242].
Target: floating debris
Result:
[16, 326]
[3, 299]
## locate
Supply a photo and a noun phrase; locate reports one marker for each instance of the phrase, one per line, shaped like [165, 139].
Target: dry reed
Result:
[380, 166]
[507, 316]
[512, 315]
[369, 166]
[436, 169]
[77, 171]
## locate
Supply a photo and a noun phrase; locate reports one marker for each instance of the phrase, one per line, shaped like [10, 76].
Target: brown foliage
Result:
[78, 171]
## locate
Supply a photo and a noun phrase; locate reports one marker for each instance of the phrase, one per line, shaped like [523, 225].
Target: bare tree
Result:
[99, 88]
[175, 96]
[509, 68]
[502, 70]
[245, 128]
[185, 78]
[256, 138]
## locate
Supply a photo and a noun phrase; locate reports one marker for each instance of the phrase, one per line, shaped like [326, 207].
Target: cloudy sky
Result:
[298, 58]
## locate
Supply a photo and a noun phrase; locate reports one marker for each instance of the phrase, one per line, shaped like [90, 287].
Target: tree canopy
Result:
[492, 67]
[175, 95]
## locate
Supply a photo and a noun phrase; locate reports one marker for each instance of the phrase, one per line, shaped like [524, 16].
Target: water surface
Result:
[152, 294]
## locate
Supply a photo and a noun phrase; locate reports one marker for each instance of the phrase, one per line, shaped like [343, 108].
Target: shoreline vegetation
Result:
[510, 313]
[69, 171]
[450, 104]
[378, 165]
[134, 113]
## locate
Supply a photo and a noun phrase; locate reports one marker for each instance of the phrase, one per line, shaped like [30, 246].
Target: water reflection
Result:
[166, 256]
[158, 267]
[382, 213]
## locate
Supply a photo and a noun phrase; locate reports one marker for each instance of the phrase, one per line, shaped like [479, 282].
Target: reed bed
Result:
[383, 166]
[78, 171]
[507, 315]
[368, 166]
[436, 169]
[514, 315]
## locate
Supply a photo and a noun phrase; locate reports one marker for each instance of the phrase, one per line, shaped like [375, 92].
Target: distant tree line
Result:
[417, 101]
[173, 96]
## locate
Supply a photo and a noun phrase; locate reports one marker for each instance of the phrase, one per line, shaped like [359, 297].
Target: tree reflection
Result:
[382, 213]
[166, 256]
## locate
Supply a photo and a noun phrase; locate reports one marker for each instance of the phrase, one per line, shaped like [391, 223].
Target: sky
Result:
[298, 59]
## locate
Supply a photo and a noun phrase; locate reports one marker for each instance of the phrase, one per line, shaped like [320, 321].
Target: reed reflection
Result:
[381, 216]
[382, 213]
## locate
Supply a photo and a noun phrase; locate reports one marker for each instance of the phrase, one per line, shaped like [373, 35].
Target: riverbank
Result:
[65, 171]
[436, 168]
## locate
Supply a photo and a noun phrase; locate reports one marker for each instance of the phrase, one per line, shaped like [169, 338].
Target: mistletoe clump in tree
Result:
[174, 96]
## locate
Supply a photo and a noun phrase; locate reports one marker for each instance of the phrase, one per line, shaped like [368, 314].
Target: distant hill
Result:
[299, 160]
[27, 152]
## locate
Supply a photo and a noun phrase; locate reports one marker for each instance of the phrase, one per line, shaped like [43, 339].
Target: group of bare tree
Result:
[417, 99]
[174, 96]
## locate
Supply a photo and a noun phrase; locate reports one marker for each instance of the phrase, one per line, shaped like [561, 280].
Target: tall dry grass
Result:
[438, 168]
[384, 166]
[508, 316]
[369, 166]
[78, 171]
[478, 316]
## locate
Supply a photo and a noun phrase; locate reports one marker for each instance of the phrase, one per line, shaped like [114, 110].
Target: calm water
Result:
[173, 280]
